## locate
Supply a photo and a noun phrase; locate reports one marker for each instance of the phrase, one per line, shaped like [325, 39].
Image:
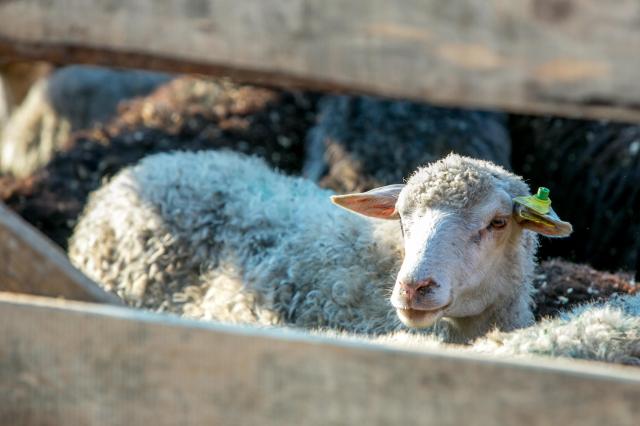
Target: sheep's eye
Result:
[498, 223]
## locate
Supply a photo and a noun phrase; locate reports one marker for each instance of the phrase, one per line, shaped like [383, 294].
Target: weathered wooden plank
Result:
[73, 363]
[576, 57]
[30, 263]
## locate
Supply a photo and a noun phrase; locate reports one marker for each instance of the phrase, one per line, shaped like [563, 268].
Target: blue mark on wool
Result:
[263, 190]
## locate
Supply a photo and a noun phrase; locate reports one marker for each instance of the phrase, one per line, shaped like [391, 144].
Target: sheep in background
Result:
[72, 98]
[186, 113]
[594, 168]
[604, 332]
[361, 142]
[218, 235]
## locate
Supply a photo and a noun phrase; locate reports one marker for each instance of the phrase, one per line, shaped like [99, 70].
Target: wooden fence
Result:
[64, 362]
[571, 57]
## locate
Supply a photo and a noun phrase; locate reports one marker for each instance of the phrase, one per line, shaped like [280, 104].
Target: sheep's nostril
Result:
[410, 289]
[422, 288]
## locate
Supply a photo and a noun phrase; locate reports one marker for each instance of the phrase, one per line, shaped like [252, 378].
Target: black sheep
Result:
[363, 142]
[593, 169]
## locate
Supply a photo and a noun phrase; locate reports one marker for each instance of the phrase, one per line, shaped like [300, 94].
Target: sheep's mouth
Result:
[418, 318]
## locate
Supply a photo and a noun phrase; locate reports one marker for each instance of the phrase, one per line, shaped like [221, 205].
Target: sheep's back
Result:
[236, 241]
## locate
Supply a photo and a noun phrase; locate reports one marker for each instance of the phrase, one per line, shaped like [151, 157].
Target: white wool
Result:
[263, 247]
[607, 332]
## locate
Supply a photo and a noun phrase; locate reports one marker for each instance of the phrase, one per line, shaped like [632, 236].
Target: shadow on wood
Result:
[30, 263]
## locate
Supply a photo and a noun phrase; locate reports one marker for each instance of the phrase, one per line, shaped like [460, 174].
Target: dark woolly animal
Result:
[186, 114]
[363, 142]
[593, 169]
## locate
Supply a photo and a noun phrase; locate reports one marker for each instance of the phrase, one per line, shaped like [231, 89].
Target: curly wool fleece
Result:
[218, 235]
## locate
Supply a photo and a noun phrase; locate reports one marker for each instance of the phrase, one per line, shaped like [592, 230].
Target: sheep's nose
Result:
[412, 289]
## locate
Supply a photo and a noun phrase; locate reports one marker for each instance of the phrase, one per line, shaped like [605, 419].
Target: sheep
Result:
[71, 98]
[186, 113]
[602, 331]
[594, 167]
[229, 239]
[362, 142]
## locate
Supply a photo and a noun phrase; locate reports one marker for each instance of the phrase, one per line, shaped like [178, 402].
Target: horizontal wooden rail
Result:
[572, 57]
[73, 363]
[30, 263]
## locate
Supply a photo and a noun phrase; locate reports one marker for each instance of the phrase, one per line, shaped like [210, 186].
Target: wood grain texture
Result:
[85, 364]
[574, 57]
[30, 263]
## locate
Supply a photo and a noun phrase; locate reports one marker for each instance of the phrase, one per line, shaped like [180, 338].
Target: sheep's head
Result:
[464, 237]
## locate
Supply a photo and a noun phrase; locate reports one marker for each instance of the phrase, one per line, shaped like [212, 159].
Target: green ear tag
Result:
[539, 203]
[536, 208]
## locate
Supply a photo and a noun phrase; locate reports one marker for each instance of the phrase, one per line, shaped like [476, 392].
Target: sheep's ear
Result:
[548, 224]
[379, 202]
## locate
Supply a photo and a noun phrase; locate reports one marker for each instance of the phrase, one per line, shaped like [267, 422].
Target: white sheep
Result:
[71, 98]
[225, 237]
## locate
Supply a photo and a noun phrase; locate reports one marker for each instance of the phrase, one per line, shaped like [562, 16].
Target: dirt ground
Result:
[561, 285]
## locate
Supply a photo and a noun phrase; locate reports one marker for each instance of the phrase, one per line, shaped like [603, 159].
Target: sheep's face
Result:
[462, 237]
[450, 256]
